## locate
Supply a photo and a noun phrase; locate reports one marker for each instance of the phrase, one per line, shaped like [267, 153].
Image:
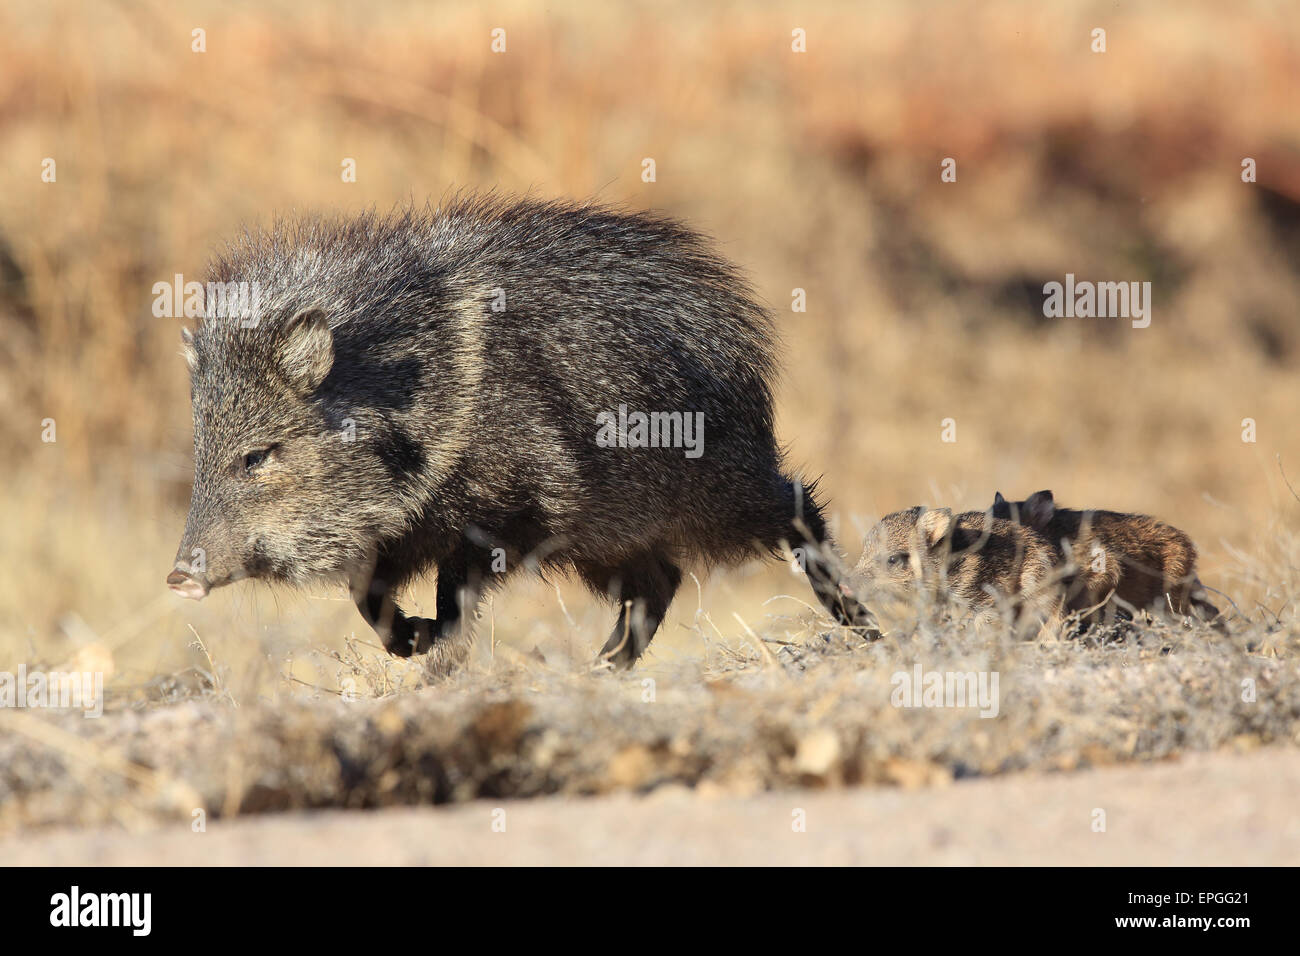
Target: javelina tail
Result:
[798, 521]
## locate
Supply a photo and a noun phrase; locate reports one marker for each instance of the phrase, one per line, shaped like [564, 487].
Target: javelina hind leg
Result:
[401, 636]
[800, 524]
[643, 588]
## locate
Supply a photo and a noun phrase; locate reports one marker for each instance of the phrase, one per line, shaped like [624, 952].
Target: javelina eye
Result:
[895, 560]
[256, 458]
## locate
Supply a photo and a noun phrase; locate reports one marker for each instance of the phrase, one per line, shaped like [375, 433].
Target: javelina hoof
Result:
[411, 635]
[867, 630]
[853, 615]
[620, 652]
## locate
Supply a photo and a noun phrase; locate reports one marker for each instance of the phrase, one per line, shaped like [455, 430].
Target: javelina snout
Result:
[974, 558]
[186, 585]
[426, 391]
[901, 553]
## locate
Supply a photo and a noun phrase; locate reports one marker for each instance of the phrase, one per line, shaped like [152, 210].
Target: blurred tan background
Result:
[817, 170]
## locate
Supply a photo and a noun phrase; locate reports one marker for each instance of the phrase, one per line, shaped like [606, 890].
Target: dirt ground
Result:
[1204, 810]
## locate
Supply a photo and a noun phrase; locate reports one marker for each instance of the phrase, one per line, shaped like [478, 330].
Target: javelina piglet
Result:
[483, 385]
[978, 560]
[1114, 561]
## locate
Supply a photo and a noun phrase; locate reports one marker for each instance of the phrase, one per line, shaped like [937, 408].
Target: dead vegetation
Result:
[820, 710]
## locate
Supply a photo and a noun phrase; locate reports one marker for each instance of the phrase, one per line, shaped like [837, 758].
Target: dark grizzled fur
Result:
[1148, 565]
[477, 429]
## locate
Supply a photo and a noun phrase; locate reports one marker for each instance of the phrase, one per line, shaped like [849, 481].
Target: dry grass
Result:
[808, 708]
[818, 172]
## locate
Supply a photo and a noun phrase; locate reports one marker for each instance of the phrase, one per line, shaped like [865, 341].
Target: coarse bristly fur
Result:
[1114, 561]
[979, 560]
[422, 390]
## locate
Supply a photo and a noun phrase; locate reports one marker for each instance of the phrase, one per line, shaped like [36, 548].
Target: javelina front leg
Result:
[401, 635]
[459, 582]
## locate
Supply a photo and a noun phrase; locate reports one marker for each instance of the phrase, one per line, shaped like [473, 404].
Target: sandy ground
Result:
[1205, 809]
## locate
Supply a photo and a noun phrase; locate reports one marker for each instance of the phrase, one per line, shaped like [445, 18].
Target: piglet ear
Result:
[934, 525]
[306, 350]
[1038, 510]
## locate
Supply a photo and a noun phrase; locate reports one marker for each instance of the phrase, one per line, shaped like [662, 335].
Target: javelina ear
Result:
[306, 352]
[934, 525]
[1038, 510]
[998, 499]
[187, 349]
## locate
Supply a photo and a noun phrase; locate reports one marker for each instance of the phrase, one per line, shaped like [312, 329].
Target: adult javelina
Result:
[423, 389]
